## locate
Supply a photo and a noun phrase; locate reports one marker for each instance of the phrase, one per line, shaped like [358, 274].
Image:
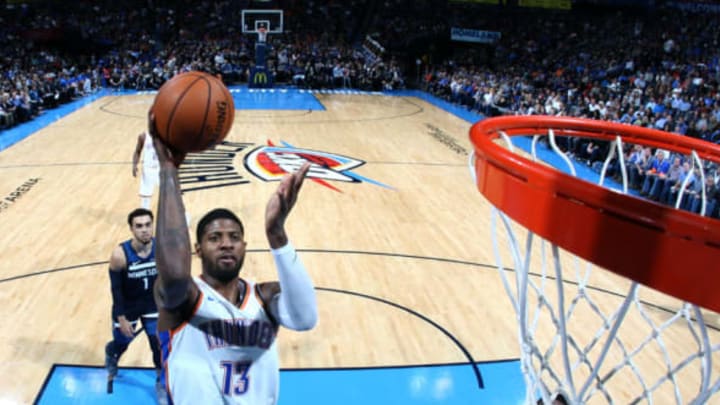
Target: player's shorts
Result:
[149, 180]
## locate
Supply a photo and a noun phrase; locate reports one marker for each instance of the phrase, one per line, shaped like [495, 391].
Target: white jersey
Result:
[150, 175]
[224, 354]
[149, 156]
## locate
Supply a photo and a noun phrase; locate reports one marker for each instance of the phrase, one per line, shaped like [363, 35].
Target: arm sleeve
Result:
[118, 307]
[295, 307]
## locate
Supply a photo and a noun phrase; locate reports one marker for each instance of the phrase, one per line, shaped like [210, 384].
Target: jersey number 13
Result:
[235, 377]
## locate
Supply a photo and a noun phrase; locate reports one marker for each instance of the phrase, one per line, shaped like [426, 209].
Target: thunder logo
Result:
[271, 163]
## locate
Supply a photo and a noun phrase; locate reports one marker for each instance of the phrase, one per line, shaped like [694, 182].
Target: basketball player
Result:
[132, 276]
[218, 330]
[150, 168]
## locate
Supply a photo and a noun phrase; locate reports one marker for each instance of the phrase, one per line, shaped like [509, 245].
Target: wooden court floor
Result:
[407, 242]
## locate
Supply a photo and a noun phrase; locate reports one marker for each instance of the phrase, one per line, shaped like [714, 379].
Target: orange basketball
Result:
[193, 111]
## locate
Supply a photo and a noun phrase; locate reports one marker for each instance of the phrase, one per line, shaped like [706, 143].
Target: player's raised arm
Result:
[295, 306]
[175, 287]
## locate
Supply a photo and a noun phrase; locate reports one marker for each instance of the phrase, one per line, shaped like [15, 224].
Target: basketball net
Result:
[583, 337]
[262, 35]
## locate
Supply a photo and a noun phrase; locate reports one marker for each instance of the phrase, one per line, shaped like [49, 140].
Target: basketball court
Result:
[390, 226]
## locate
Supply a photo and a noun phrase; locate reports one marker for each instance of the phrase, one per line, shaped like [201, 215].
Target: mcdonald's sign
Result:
[260, 77]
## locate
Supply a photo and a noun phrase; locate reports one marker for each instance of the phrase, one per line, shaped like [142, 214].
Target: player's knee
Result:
[154, 343]
[115, 348]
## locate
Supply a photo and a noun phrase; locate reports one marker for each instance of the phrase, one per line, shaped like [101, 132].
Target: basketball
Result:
[193, 111]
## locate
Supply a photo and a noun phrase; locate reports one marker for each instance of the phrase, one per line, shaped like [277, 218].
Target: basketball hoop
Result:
[262, 35]
[623, 348]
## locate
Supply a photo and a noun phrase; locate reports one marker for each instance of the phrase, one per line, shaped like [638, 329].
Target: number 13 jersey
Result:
[224, 354]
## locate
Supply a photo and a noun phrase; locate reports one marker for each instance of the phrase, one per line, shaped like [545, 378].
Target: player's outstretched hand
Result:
[164, 153]
[282, 201]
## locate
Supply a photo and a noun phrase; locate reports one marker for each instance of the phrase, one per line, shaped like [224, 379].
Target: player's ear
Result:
[198, 252]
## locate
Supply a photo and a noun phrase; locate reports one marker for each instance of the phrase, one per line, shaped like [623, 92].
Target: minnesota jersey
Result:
[224, 354]
[138, 280]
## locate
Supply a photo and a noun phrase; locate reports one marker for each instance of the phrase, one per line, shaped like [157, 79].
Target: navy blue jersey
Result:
[137, 282]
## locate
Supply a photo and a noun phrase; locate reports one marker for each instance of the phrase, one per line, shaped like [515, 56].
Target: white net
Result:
[594, 337]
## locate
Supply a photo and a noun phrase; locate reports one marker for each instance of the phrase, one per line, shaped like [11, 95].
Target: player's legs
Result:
[145, 201]
[150, 325]
[116, 347]
[148, 181]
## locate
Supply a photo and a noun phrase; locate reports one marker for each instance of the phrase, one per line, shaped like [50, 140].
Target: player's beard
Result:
[221, 273]
[142, 242]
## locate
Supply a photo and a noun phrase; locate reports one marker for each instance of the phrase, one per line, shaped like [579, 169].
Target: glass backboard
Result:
[271, 20]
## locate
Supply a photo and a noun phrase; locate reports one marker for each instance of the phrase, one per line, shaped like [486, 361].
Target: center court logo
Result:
[216, 168]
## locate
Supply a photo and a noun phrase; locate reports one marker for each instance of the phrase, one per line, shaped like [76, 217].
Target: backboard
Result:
[271, 20]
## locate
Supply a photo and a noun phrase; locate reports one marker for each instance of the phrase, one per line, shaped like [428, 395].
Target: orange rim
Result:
[670, 250]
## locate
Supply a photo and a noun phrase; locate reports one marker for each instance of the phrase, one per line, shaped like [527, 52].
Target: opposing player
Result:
[150, 168]
[218, 330]
[132, 276]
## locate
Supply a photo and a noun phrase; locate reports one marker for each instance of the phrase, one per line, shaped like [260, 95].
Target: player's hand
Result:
[282, 202]
[164, 153]
[126, 327]
[134, 171]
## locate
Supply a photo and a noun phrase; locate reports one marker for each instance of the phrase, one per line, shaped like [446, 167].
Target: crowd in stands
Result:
[669, 84]
[55, 52]
[653, 70]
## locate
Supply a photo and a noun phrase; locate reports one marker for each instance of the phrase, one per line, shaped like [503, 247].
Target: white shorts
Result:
[148, 181]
